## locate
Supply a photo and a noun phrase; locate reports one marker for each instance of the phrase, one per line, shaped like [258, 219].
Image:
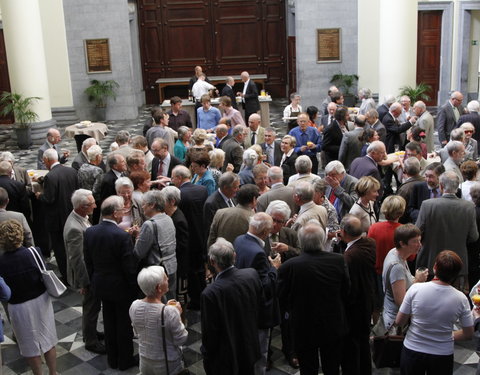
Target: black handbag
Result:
[386, 350]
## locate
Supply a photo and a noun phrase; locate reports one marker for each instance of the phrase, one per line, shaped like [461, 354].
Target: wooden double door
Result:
[225, 37]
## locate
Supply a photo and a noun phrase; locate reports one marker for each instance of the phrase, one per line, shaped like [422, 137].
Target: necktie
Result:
[254, 138]
[230, 203]
[332, 197]
[331, 121]
[435, 193]
[456, 113]
[160, 168]
[270, 154]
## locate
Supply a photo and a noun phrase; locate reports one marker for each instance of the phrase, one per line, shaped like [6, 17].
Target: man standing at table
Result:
[177, 116]
[249, 95]
[228, 91]
[308, 140]
[53, 138]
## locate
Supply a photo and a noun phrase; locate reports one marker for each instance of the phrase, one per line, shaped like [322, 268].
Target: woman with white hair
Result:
[217, 158]
[250, 159]
[133, 214]
[90, 175]
[368, 103]
[183, 143]
[471, 145]
[158, 326]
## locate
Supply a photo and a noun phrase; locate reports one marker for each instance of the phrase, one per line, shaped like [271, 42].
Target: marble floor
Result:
[73, 359]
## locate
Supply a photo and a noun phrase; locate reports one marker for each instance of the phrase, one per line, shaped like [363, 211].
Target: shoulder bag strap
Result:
[389, 286]
[155, 234]
[36, 256]
[164, 339]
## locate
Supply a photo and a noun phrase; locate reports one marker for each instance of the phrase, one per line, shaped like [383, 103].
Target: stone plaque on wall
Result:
[97, 53]
[328, 45]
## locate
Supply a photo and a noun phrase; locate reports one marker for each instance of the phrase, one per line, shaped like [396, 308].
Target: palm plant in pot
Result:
[19, 106]
[99, 92]
[416, 93]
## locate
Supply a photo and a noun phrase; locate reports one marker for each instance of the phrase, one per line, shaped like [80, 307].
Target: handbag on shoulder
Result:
[53, 284]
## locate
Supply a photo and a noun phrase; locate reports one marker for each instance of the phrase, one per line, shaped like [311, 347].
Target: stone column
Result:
[26, 58]
[398, 46]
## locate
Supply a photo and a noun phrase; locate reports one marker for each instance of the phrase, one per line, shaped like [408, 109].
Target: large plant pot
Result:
[101, 113]
[349, 100]
[24, 137]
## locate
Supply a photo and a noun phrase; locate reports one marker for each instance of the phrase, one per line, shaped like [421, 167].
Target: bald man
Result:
[53, 138]
[249, 95]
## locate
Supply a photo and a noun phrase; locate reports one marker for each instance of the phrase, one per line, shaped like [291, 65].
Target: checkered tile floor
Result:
[73, 359]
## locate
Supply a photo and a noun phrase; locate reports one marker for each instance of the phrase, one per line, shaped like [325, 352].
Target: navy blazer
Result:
[394, 129]
[228, 91]
[332, 138]
[365, 166]
[251, 103]
[110, 262]
[213, 203]
[108, 185]
[251, 255]
[174, 161]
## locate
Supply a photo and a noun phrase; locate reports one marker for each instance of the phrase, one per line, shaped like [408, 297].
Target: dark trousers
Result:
[58, 246]
[118, 333]
[330, 353]
[287, 336]
[91, 307]
[196, 284]
[356, 357]
[416, 363]
[314, 164]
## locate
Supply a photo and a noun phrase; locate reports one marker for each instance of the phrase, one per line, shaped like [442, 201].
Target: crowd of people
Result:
[233, 221]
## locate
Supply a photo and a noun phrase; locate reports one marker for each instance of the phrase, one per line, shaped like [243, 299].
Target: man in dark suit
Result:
[278, 191]
[383, 109]
[375, 124]
[329, 118]
[111, 267]
[368, 165]
[163, 162]
[192, 200]
[233, 148]
[251, 254]
[118, 166]
[228, 185]
[77, 276]
[472, 117]
[249, 95]
[271, 147]
[221, 132]
[340, 189]
[53, 138]
[228, 91]
[287, 163]
[82, 157]
[411, 176]
[58, 186]
[448, 116]
[234, 296]
[17, 193]
[360, 258]
[333, 135]
[394, 128]
[351, 146]
[8, 215]
[306, 284]
[425, 190]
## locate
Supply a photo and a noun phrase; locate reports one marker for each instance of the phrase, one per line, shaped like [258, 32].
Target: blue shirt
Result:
[310, 134]
[208, 119]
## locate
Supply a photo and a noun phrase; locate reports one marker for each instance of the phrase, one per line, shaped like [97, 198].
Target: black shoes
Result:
[98, 348]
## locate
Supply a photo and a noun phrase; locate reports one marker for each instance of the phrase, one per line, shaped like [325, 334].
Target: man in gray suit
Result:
[351, 146]
[456, 153]
[278, 191]
[341, 188]
[425, 121]
[375, 124]
[448, 116]
[53, 138]
[456, 227]
[233, 148]
[77, 276]
[8, 215]
[303, 197]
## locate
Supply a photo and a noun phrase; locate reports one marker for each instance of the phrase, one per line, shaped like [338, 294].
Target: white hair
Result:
[303, 164]
[279, 207]
[7, 156]
[260, 222]
[149, 278]
[473, 106]
[123, 181]
[80, 197]
[50, 154]
[336, 166]
[93, 152]
[250, 157]
[171, 193]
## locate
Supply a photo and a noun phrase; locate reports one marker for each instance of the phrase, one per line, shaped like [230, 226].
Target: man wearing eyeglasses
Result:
[425, 122]
[448, 115]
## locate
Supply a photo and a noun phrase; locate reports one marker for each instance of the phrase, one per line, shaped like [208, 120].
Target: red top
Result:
[382, 233]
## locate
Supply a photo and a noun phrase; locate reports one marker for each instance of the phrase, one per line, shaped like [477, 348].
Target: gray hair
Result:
[260, 222]
[467, 126]
[351, 225]
[7, 156]
[5, 168]
[449, 182]
[421, 105]
[389, 99]
[336, 166]
[453, 146]
[227, 179]
[395, 106]
[182, 172]
[303, 164]
[372, 113]
[112, 160]
[222, 253]
[88, 142]
[217, 157]
[304, 191]
[51, 154]
[149, 278]
[319, 186]
[275, 173]
[93, 152]
[311, 237]
[238, 129]
[122, 137]
[271, 130]
[375, 146]
[457, 134]
[80, 197]
[475, 193]
[365, 93]
[182, 130]
[171, 193]
[123, 181]
[156, 199]
[250, 157]
[473, 106]
[412, 166]
[111, 204]
[279, 207]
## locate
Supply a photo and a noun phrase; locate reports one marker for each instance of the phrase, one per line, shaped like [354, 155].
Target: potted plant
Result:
[99, 92]
[419, 92]
[346, 83]
[19, 106]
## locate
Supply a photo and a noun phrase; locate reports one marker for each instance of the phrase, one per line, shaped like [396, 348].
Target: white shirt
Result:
[245, 89]
[201, 88]
[166, 164]
[260, 241]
